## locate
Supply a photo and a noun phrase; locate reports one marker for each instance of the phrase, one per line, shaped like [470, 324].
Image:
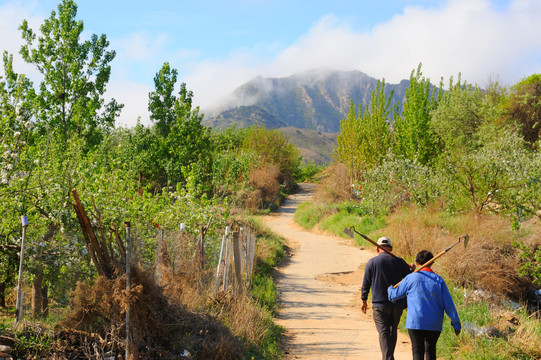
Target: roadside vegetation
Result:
[175, 193]
[455, 162]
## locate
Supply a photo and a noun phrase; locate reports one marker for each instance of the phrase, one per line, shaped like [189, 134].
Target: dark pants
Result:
[424, 342]
[387, 319]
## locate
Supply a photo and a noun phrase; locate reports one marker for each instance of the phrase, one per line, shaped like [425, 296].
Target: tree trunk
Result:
[45, 300]
[37, 288]
[2, 294]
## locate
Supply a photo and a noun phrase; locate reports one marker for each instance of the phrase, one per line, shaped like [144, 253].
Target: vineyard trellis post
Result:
[237, 258]
[159, 259]
[227, 261]
[128, 288]
[221, 258]
[19, 300]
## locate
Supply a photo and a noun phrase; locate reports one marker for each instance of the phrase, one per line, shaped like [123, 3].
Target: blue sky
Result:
[218, 45]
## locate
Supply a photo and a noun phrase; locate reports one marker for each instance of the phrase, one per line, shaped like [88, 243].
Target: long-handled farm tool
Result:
[431, 261]
[350, 231]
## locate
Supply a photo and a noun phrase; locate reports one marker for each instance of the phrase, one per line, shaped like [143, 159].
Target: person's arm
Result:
[365, 289]
[450, 309]
[400, 292]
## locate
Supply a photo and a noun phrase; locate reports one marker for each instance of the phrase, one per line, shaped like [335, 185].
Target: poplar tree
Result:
[415, 138]
[75, 74]
[347, 149]
[375, 137]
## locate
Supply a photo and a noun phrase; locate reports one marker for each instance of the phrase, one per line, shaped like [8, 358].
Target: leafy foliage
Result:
[75, 75]
[524, 107]
[415, 139]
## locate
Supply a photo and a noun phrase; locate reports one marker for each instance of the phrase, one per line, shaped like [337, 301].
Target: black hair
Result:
[423, 256]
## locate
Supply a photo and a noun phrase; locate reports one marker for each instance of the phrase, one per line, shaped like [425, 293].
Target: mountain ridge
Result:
[315, 99]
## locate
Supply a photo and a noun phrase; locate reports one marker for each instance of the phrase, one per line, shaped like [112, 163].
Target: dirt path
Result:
[320, 294]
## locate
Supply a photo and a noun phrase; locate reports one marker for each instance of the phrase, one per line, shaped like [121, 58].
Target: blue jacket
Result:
[380, 272]
[427, 297]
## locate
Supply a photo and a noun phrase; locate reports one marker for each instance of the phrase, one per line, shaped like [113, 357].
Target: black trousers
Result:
[387, 319]
[424, 342]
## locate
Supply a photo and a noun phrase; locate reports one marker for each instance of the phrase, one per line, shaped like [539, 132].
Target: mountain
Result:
[316, 100]
[308, 106]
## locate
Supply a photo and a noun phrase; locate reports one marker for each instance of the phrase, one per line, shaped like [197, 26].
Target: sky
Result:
[218, 45]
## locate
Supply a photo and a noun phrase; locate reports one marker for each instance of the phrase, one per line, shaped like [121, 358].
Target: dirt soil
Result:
[319, 287]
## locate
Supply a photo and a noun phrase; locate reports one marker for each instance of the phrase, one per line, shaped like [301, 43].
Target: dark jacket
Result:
[381, 272]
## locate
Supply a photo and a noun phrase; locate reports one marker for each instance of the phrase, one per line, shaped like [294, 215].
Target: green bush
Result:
[338, 222]
[309, 214]
[306, 171]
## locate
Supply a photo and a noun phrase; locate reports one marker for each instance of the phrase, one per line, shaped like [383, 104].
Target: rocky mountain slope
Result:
[316, 100]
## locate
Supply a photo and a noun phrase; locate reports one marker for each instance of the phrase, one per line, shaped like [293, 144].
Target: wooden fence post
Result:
[128, 289]
[237, 256]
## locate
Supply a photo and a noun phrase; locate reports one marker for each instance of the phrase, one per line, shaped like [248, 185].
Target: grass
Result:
[270, 252]
[308, 214]
[491, 331]
[249, 316]
[335, 218]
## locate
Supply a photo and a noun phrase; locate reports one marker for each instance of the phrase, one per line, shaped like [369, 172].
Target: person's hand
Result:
[364, 306]
[412, 266]
[457, 331]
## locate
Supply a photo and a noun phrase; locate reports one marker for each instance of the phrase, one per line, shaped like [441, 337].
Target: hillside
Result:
[313, 145]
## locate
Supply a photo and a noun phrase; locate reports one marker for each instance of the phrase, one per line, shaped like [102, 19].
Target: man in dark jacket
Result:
[382, 271]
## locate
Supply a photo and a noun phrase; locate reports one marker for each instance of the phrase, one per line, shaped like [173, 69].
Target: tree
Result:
[415, 138]
[524, 107]
[70, 118]
[274, 148]
[161, 103]
[16, 94]
[75, 75]
[458, 116]
[375, 134]
[184, 141]
[348, 142]
[365, 140]
[496, 175]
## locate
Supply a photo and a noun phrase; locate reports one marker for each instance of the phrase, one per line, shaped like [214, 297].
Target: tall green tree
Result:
[414, 135]
[347, 149]
[375, 134]
[75, 74]
[365, 139]
[184, 140]
[70, 118]
[458, 117]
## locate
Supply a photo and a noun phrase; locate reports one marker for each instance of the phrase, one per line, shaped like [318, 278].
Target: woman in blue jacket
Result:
[427, 298]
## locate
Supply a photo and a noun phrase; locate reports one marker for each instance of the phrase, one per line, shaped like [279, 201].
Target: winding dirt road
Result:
[319, 290]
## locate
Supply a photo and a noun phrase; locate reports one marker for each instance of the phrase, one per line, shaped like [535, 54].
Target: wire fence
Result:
[226, 260]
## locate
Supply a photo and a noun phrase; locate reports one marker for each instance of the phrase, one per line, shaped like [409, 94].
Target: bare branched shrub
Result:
[265, 183]
[335, 185]
[160, 327]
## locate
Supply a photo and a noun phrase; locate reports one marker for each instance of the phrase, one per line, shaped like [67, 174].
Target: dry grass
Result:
[335, 185]
[265, 185]
[160, 325]
[489, 262]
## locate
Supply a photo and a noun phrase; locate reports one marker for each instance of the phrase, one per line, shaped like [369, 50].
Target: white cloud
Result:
[470, 37]
[134, 96]
[12, 16]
